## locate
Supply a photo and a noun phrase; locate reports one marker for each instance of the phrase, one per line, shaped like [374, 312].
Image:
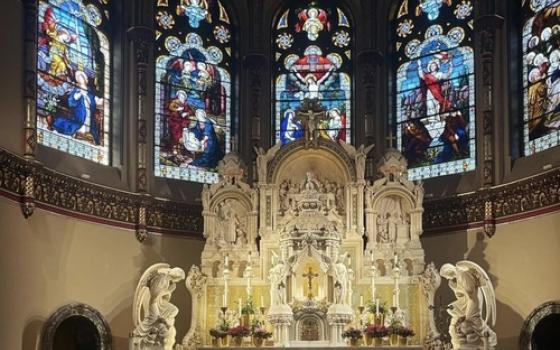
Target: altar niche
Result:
[310, 273]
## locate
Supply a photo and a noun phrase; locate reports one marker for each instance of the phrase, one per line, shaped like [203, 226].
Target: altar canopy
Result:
[312, 248]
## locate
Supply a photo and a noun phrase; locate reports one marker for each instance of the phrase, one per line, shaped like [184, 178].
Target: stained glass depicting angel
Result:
[73, 79]
[193, 90]
[541, 75]
[435, 88]
[313, 62]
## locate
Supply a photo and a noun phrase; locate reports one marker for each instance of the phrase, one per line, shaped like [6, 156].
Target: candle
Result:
[262, 301]
[396, 259]
[361, 300]
[372, 257]
[349, 261]
[239, 307]
[394, 299]
[377, 306]
[224, 300]
[249, 259]
[227, 262]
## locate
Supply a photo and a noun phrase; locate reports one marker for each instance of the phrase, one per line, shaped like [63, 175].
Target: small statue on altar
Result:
[276, 277]
[341, 279]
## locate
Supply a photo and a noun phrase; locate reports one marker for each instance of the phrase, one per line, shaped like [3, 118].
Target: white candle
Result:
[239, 307]
[224, 300]
[227, 262]
[372, 257]
[249, 259]
[377, 306]
[396, 259]
[361, 300]
[349, 261]
[262, 301]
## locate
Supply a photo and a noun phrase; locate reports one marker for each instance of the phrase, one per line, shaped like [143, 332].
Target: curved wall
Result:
[50, 260]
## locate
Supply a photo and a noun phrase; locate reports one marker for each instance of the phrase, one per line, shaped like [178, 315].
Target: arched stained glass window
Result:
[434, 99]
[193, 88]
[541, 74]
[312, 50]
[74, 78]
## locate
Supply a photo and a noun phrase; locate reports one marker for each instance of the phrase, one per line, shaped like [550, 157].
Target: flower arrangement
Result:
[371, 307]
[261, 333]
[249, 307]
[218, 333]
[352, 333]
[239, 331]
[404, 331]
[376, 331]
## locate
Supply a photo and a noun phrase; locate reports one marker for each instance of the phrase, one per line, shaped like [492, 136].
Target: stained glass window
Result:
[312, 60]
[193, 88]
[434, 99]
[541, 74]
[74, 78]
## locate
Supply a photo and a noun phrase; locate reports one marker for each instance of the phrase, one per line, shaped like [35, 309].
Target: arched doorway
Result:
[76, 327]
[540, 329]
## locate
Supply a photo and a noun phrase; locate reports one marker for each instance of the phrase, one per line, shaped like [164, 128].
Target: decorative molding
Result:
[76, 309]
[70, 196]
[531, 322]
[67, 195]
[527, 197]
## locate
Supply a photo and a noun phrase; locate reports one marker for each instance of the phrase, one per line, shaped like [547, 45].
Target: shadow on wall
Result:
[507, 320]
[31, 337]
[456, 248]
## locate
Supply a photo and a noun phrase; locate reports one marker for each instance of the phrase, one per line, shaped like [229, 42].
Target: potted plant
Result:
[237, 333]
[218, 336]
[247, 310]
[394, 329]
[378, 311]
[353, 334]
[404, 333]
[259, 336]
[375, 334]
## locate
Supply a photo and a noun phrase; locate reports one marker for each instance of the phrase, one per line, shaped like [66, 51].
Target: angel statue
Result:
[474, 292]
[153, 314]
[276, 276]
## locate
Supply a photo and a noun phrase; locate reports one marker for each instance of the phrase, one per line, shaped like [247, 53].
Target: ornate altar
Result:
[309, 244]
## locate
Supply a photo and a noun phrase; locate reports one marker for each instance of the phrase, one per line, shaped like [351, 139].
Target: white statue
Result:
[276, 277]
[341, 280]
[359, 154]
[153, 313]
[472, 288]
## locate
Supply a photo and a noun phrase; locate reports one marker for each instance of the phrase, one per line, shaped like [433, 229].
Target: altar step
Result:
[384, 347]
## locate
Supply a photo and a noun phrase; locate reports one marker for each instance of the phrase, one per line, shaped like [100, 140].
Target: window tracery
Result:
[193, 92]
[74, 78]
[435, 96]
[312, 60]
[541, 73]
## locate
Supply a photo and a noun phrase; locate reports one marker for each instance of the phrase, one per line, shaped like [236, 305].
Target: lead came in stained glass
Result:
[312, 61]
[435, 100]
[193, 89]
[541, 75]
[73, 79]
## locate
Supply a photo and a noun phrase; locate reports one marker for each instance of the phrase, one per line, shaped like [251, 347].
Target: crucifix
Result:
[310, 115]
[310, 276]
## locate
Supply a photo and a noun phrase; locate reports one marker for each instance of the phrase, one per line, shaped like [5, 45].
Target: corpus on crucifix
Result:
[311, 114]
[310, 276]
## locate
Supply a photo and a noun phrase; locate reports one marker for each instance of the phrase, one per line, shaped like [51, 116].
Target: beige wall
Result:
[50, 260]
[522, 259]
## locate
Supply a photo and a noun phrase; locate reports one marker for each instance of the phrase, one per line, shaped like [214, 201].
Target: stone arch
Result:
[287, 162]
[76, 310]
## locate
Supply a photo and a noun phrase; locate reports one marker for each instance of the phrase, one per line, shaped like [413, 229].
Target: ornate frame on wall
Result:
[531, 322]
[76, 309]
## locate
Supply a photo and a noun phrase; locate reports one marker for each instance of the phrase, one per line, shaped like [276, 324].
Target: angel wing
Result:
[486, 287]
[141, 299]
